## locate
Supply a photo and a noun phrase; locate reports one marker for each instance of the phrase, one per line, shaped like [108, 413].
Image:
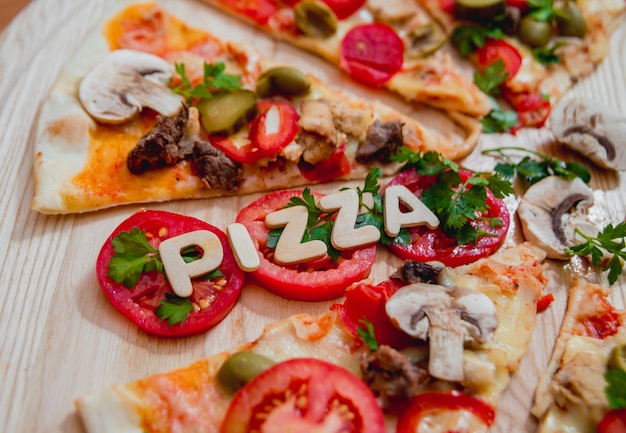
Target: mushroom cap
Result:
[551, 209]
[592, 129]
[125, 81]
[478, 313]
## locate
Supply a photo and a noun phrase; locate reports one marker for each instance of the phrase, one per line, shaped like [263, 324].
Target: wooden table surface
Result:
[59, 336]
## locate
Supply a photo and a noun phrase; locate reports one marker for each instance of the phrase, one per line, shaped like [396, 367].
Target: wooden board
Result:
[59, 336]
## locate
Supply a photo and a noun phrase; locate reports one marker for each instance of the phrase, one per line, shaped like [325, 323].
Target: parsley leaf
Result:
[132, 256]
[455, 202]
[547, 55]
[610, 240]
[367, 335]
[468, 39]
[499, 120]
[214, 79]
[174, 309]
[616, 389]
[490, 79]
[540, 166]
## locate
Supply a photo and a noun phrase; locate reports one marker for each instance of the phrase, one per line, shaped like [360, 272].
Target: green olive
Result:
[617, 358]
[314, 18]
[533, 32]
[479, 10]
[226, 113]
[241, 368]
[573, 23]
[425, 40]
[282, 80]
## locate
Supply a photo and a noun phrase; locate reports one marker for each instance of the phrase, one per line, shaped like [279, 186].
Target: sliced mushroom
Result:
[447, 318]
[124, 82]
[552, 209]
[592, 129]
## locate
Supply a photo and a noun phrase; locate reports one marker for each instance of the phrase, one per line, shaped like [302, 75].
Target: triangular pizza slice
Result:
[152, 109]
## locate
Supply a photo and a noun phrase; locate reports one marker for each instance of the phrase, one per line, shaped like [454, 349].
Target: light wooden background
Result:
[59, 336]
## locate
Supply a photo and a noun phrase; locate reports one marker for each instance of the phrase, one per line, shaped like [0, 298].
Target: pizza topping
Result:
[552, 209]
[317, 134]
[214, 168]
[160, 147]
[214, 79]
[282, 80]
[227, 112]
[447, 318]
[413, 271]
[479, 10]
[425, 39]
[570, 22]
[372, 53]
[613, 422]
[381, 142]
[240, 368]
[392, 11]
[315, 18]
[124, 82]
[392, 376]
[592, 130]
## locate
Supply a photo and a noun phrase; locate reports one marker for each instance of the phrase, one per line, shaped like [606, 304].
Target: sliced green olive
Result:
[617, 359]
[425, 39]
[534, 33]
[573, 23]
[241, 368]
[226, 113]
[282, 80]
[314, 18]
[479, 10]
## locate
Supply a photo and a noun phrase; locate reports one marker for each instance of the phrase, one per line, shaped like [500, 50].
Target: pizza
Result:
[583, 387]
[152, 109]
[525, 53]
[318, 372]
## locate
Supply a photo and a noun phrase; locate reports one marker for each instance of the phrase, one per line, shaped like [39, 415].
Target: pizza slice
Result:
[528, 53]
[391, 44]
[151, 109]
[338, 370]
[571, 394]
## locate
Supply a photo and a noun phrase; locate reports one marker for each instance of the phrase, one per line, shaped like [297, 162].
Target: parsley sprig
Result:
[469, 38]
[320, 223]
[547, 55]
[610, 240]
[367, 335]
[456, 202]
[489, 82]
[174, 309]
[616, 387]
[214, 79]
[536, 166]
[133, 256]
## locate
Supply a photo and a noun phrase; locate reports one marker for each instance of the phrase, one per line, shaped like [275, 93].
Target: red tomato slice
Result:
[613, 422]
[139, 303]
[427, 245]
[432, 402]
[367, 302]
[271, 131]
[331, 168]
[544, 302]
[532, 108]
[320, 280]
[304, 395]
[372, 53]
[522, 5]
[260, 11]
[344, 8]
[495, 49]
[447, 6]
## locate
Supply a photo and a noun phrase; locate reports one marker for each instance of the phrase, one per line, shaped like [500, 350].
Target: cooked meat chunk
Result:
[159, 147]
[350, 120]
[215, 169]
[381, 142]
[391, 375]
[317, 135]
[417, 272]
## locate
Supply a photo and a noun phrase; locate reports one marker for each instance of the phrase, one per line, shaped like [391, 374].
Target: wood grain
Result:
[59, 336]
